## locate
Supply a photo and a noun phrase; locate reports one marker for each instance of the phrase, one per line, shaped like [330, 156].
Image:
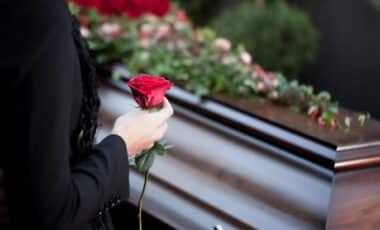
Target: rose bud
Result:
[274, 95]
[275, 83]
[223, 44]
[85, 32]
[149, 91]
[261, 87]
[269, 76]
[321, 121]
[246, 58]
[260, 72]
[314, 114]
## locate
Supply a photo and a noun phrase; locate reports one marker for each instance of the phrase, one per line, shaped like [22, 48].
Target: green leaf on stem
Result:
[145, 161]
[159, 149]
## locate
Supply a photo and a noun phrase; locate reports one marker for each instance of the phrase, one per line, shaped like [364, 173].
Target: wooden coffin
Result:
[254, 165]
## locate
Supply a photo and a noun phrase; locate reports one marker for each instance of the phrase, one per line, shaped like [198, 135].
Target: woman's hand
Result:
[140, 129]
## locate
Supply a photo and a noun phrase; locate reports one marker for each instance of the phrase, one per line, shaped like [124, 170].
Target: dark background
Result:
[349, 59]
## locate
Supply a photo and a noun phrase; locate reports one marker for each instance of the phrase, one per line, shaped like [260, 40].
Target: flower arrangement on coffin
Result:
[199, 61]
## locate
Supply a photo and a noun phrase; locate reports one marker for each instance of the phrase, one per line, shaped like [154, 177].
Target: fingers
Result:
[160, 133]
[163, 114]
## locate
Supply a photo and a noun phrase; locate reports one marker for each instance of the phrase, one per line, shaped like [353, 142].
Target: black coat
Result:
[41, 96]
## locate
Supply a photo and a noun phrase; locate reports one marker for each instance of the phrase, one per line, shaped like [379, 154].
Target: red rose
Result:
[149, 91]
[84, 3]
[157, 7]
[134, 8]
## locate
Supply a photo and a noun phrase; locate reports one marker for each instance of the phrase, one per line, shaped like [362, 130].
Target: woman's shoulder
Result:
[26, 25]
[29, 26]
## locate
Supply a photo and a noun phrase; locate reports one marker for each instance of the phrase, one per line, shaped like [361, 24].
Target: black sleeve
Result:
[44, 190]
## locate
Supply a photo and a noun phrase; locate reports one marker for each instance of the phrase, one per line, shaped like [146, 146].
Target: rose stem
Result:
[140, 203]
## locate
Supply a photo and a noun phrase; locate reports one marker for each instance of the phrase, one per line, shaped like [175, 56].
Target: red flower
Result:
[157, 7]
[84, 3]
[149, 91]
[134, 8]
[314, 114]
[260, 71]
[182, 16]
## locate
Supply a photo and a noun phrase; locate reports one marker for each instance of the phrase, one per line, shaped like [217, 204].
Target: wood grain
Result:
[355, 200]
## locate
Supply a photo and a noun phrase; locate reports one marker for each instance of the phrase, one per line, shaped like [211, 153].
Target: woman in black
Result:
[54, 177]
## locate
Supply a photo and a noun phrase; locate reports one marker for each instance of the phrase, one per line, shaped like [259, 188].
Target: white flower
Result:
[275, 83]
[274, 95]
[85, 32]
[224, 44]
[110, 29]
[146, 29]
[246, 58]
[261, 87]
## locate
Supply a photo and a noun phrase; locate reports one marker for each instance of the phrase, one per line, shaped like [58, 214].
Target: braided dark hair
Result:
[84, 134]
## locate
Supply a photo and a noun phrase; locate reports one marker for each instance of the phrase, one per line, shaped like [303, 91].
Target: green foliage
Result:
[146, 159]
[199, 61]
[201, 11]
[280, 37]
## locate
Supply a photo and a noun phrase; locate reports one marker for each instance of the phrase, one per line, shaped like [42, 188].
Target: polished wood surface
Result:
[216, 175]
[355, 200]
[337, 149]
[341, 138]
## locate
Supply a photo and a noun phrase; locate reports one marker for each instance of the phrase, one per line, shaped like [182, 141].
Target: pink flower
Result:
[162, 31]
[260, 72]
[223, 44]
[85, 32]
[182, 17]
[110, 29]
[321, 121]
[246, 58]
